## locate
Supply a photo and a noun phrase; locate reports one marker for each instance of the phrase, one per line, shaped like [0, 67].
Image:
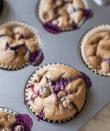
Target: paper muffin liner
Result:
[36, 36]
[82, 47]
[31, 80]
[67, 29]
[24, 120]
[12, 68]
[7, 110]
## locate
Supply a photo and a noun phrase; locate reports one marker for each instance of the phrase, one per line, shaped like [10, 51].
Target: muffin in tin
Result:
[19, 46]
[56, 92]
[12, 121]
[63, 15]
[95, 49]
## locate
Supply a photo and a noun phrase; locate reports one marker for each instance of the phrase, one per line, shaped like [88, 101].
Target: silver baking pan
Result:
[62, 48]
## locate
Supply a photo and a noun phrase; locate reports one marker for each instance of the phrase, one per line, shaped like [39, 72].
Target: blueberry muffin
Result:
[19, 46]
[11, 121]
[63, 15]
[57, 93]
[95, 49]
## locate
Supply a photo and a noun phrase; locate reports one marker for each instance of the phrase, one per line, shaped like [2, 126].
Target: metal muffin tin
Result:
[62, 48]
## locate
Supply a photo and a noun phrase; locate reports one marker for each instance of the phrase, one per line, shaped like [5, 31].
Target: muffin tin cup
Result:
[30, 81]
[82, 47]
[36, 35]
[70, 28]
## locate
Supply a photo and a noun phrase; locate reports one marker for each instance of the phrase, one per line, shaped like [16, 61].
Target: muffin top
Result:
[15, 122]
[56, 92]
[63, 15]
[97, 50]
[6, 120]
[19, 46]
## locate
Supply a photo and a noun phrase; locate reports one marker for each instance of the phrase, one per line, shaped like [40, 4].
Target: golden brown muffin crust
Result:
[97, 50]
[16, 41]
[6, 120]
[63, 13]
[60, 105]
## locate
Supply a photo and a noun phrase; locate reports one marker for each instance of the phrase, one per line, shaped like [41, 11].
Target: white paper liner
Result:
[36, 36]
[82, 47]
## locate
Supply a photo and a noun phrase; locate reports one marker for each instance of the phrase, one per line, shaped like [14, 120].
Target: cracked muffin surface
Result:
[63, 15]
[11, 121]
[96, 50]
[1, 6]
[19, 46]
[57, 92]
[6, 120]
